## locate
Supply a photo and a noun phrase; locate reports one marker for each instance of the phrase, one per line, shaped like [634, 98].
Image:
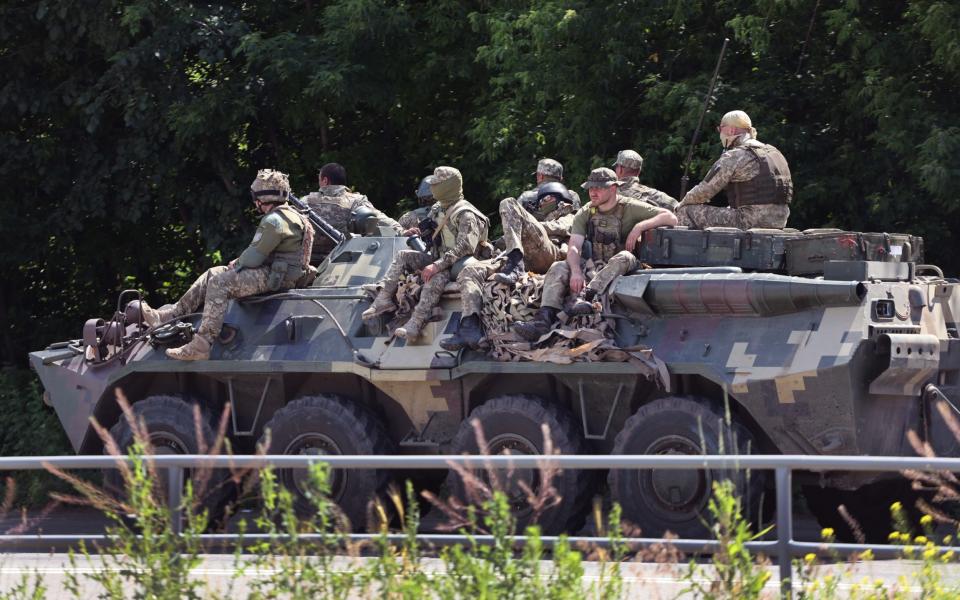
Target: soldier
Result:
[627, 167]
[613, 224]
[277, 259]
[530, 223]
[754, 175]
[335, 202]
[461, 229]
[411, 219]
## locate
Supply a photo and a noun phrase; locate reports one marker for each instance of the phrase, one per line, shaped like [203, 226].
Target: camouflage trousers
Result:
[556, 283]
[411, 261]
[701, 216]
[522, 230]
[214, 290]
[471, 280]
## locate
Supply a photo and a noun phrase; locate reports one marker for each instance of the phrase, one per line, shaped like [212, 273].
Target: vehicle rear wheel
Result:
[661, 500]
[512, 424]
[329, 425]
[170, 428]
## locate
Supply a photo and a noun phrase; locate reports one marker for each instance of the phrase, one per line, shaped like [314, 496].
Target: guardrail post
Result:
[175, 498]
[784, 531]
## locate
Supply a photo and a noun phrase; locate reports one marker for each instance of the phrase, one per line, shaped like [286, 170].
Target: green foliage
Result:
[30, 429]
[736, 572]
[129, 129]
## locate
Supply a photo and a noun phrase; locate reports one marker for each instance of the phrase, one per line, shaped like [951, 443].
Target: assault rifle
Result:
[696, 132]
[319, 223]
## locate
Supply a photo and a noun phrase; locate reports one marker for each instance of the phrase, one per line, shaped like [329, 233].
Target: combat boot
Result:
[468, 335]
[539, 326]
[411, 329]
[196, 349]
[383, 303]
[585, 304]
[154, 316]
[512, 270]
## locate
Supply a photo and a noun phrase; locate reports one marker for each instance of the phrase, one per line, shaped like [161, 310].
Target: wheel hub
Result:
[314, 444]
[675, 491]
[515, 480]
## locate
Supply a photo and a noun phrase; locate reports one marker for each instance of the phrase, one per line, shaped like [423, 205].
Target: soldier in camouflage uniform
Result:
[536, 223]
[613, 224]
[335, 203]
[627, 167]
[461, 230]
[410, 220]
[278, 258]
[754, 175]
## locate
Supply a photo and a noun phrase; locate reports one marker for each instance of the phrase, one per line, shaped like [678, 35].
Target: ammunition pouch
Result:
[278, 273]
[586, 250]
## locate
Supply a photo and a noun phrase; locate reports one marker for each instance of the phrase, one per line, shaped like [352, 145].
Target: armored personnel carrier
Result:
[767, 341]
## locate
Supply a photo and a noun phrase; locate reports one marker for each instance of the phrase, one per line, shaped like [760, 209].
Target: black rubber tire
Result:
[169, 421]
[341, 426]
[673, 425]
[521, 417]
[869, 506]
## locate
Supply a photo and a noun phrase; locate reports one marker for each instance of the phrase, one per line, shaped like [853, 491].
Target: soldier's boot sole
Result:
[196, 349]
[411, 329]
[531, 331]
[155, 316]
[453, 343]
[380, 306]
[583, 307]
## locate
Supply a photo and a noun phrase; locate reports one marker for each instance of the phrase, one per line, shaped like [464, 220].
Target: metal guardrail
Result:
[784, 547]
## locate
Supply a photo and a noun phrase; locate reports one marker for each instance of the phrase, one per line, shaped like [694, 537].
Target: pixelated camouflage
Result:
[842, 362]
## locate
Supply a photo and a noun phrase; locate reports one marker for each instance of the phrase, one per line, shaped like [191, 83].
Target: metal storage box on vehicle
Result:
[753, 249]
[807, 254]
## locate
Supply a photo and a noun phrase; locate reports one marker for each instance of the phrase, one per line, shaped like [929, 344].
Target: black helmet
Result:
[424, 195]
[363, 221]
[554, 188]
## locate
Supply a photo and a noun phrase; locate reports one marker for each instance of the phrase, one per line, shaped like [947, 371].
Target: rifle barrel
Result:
[319, 223]
[703, 112]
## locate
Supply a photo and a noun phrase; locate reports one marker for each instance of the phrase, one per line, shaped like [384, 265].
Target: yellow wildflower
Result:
[866, 555]
[920, 539]
[894, 536]
[810, 557]
[827, 532]
[896, 507]
[926, 520]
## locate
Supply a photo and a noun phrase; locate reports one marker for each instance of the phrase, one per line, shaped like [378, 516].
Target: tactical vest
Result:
[603, 231]
[447, 220]
[335, 210]
[288, 266]
[772, 185]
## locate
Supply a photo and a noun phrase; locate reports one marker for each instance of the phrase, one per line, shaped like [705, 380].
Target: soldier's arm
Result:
[559, 227]
[716, 180]
[469, 230]
[660, 218]
[408, 220]
[268, 236]
[666, 200]
[382, 219]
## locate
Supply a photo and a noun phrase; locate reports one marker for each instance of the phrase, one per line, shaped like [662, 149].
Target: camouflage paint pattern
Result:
[811, 364]
[701, 216]
[632, 187]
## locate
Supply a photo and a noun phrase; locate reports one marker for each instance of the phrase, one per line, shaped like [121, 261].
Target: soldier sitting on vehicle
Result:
[613, 225]
[535, 222]
[461, 229]
[278, 258]
[754, 175]
[410, 220]
[627, 167]
[335, 202]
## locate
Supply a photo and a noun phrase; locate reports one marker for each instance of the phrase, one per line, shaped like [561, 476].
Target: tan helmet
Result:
[270, 186]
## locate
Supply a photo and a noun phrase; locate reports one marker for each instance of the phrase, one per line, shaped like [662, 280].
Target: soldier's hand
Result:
[632, 238]
[411, 231]
[429, 271]
[576, 282]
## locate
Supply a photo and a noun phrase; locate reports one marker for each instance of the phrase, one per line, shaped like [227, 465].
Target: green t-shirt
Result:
[634, 212]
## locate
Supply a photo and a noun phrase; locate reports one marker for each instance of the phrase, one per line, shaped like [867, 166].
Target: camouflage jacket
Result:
[460, 234]
[335, 203]
[634, 189]
[412, 218]
[735, 164]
